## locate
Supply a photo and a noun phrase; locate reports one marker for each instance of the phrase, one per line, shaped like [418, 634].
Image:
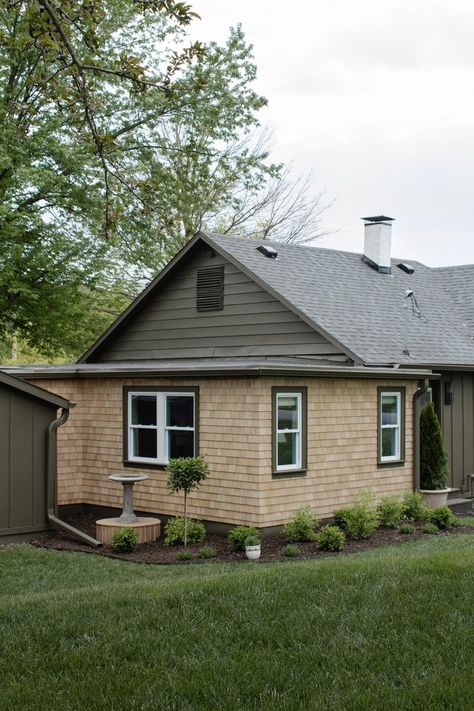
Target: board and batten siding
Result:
[457, 421]
[23, 424]
[235, 436]
[251, 323]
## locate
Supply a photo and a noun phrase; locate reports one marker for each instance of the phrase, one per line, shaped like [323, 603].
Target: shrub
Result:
[330, 538]
[302, 526]
[390, 511]
[125, 540]
[291, 551]
[207, 552]
[430, 528]
[433, 454]
[361, 520]
[407, 528]
[442, 517]
[184, 555]
[174, 531]
[414, 508]
[252, 541]
[340, 519]
[238, 535]
[456, 521]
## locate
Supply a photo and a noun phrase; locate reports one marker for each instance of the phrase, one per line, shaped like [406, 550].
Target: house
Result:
[297, 371]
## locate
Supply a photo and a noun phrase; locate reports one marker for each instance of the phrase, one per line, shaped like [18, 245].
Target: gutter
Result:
[51, 475]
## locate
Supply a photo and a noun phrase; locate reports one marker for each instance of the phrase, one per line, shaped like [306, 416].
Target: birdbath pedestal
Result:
[128, 480]
[148, 528]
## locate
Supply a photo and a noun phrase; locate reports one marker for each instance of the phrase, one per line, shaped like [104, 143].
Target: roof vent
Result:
[408, 268]
[267, 251]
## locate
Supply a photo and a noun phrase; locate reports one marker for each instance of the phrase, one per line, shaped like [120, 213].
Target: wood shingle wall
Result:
[236, 439]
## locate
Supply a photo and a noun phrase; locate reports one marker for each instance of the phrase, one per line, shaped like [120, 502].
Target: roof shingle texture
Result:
[365, 310]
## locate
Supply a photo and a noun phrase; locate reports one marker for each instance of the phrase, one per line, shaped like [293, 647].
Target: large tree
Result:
[74, 96]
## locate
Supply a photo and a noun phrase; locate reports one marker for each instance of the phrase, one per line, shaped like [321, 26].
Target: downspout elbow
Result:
[51, 470]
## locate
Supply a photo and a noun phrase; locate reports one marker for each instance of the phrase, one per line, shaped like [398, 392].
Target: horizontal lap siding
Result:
[235, 438]
[252, 322]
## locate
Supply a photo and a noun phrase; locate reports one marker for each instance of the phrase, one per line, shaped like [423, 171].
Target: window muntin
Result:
[288, 418]
[161, 426]
[390, 426]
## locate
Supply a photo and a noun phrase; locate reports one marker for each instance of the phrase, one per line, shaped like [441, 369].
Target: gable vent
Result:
[210, 289]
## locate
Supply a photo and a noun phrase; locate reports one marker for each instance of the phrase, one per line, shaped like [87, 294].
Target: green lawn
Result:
[387, 629]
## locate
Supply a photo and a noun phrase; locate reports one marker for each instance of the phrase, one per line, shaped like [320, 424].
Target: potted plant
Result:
[433, 459]
[252, 547]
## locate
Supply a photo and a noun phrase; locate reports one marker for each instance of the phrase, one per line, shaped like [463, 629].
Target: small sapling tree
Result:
[186, 474]
[433, 455]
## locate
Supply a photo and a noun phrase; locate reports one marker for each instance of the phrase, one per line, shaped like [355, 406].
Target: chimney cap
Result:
[378, 218]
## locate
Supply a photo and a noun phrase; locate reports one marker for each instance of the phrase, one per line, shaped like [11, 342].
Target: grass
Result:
[386, 629]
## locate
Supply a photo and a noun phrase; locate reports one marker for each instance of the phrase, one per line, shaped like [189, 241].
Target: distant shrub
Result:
[456, 521]
[207, 552]
[407, 528]
[302, 526]
[361, 520]
[430, 528]
[414, 508]
[442, 517]
[390, 511]
[125, 540]
[184, 555]
[174, 531]
[252, 541]
[291, 551]
[330, 538]
[238, 535]
[340, 519]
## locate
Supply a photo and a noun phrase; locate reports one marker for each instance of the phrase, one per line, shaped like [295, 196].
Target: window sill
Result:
[388, 465]
[289, 474]
[144, 465]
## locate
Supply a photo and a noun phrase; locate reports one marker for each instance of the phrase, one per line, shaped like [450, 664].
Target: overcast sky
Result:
[378, 99]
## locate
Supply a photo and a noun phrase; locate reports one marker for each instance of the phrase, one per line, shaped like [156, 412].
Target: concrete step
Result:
[460, 505]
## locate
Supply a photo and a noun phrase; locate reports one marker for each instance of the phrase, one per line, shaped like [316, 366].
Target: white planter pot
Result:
[253, 552]
[435, 497]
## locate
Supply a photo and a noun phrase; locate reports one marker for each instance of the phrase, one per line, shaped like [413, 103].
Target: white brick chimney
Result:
[378, 242]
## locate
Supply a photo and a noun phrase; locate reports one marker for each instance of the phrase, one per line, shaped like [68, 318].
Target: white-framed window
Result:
[390, 420]
[160, 426]
[289, 434]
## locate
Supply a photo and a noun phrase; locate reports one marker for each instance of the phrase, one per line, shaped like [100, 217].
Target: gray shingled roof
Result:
[364, 310]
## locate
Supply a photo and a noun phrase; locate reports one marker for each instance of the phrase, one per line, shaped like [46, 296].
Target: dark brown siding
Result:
[23, 424]
[252, 322]
[457, 421]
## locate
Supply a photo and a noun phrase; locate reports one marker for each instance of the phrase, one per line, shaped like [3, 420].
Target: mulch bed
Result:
[157, 553]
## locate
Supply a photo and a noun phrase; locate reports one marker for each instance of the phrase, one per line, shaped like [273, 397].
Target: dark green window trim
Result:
[393, 462]
[290, 473]
[156, 389]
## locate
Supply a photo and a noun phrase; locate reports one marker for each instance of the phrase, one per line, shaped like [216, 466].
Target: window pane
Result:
[288, 413]
[287, 449]
[179, 411]
[390, 409]
[389, 442]
[180, 444]
[143, 410]
[144, 443]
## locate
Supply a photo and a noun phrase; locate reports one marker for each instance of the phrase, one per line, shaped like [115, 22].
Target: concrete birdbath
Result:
[148, 528]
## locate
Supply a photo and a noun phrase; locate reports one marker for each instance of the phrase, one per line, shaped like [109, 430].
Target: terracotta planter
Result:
[253, 552]
[435, 497]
